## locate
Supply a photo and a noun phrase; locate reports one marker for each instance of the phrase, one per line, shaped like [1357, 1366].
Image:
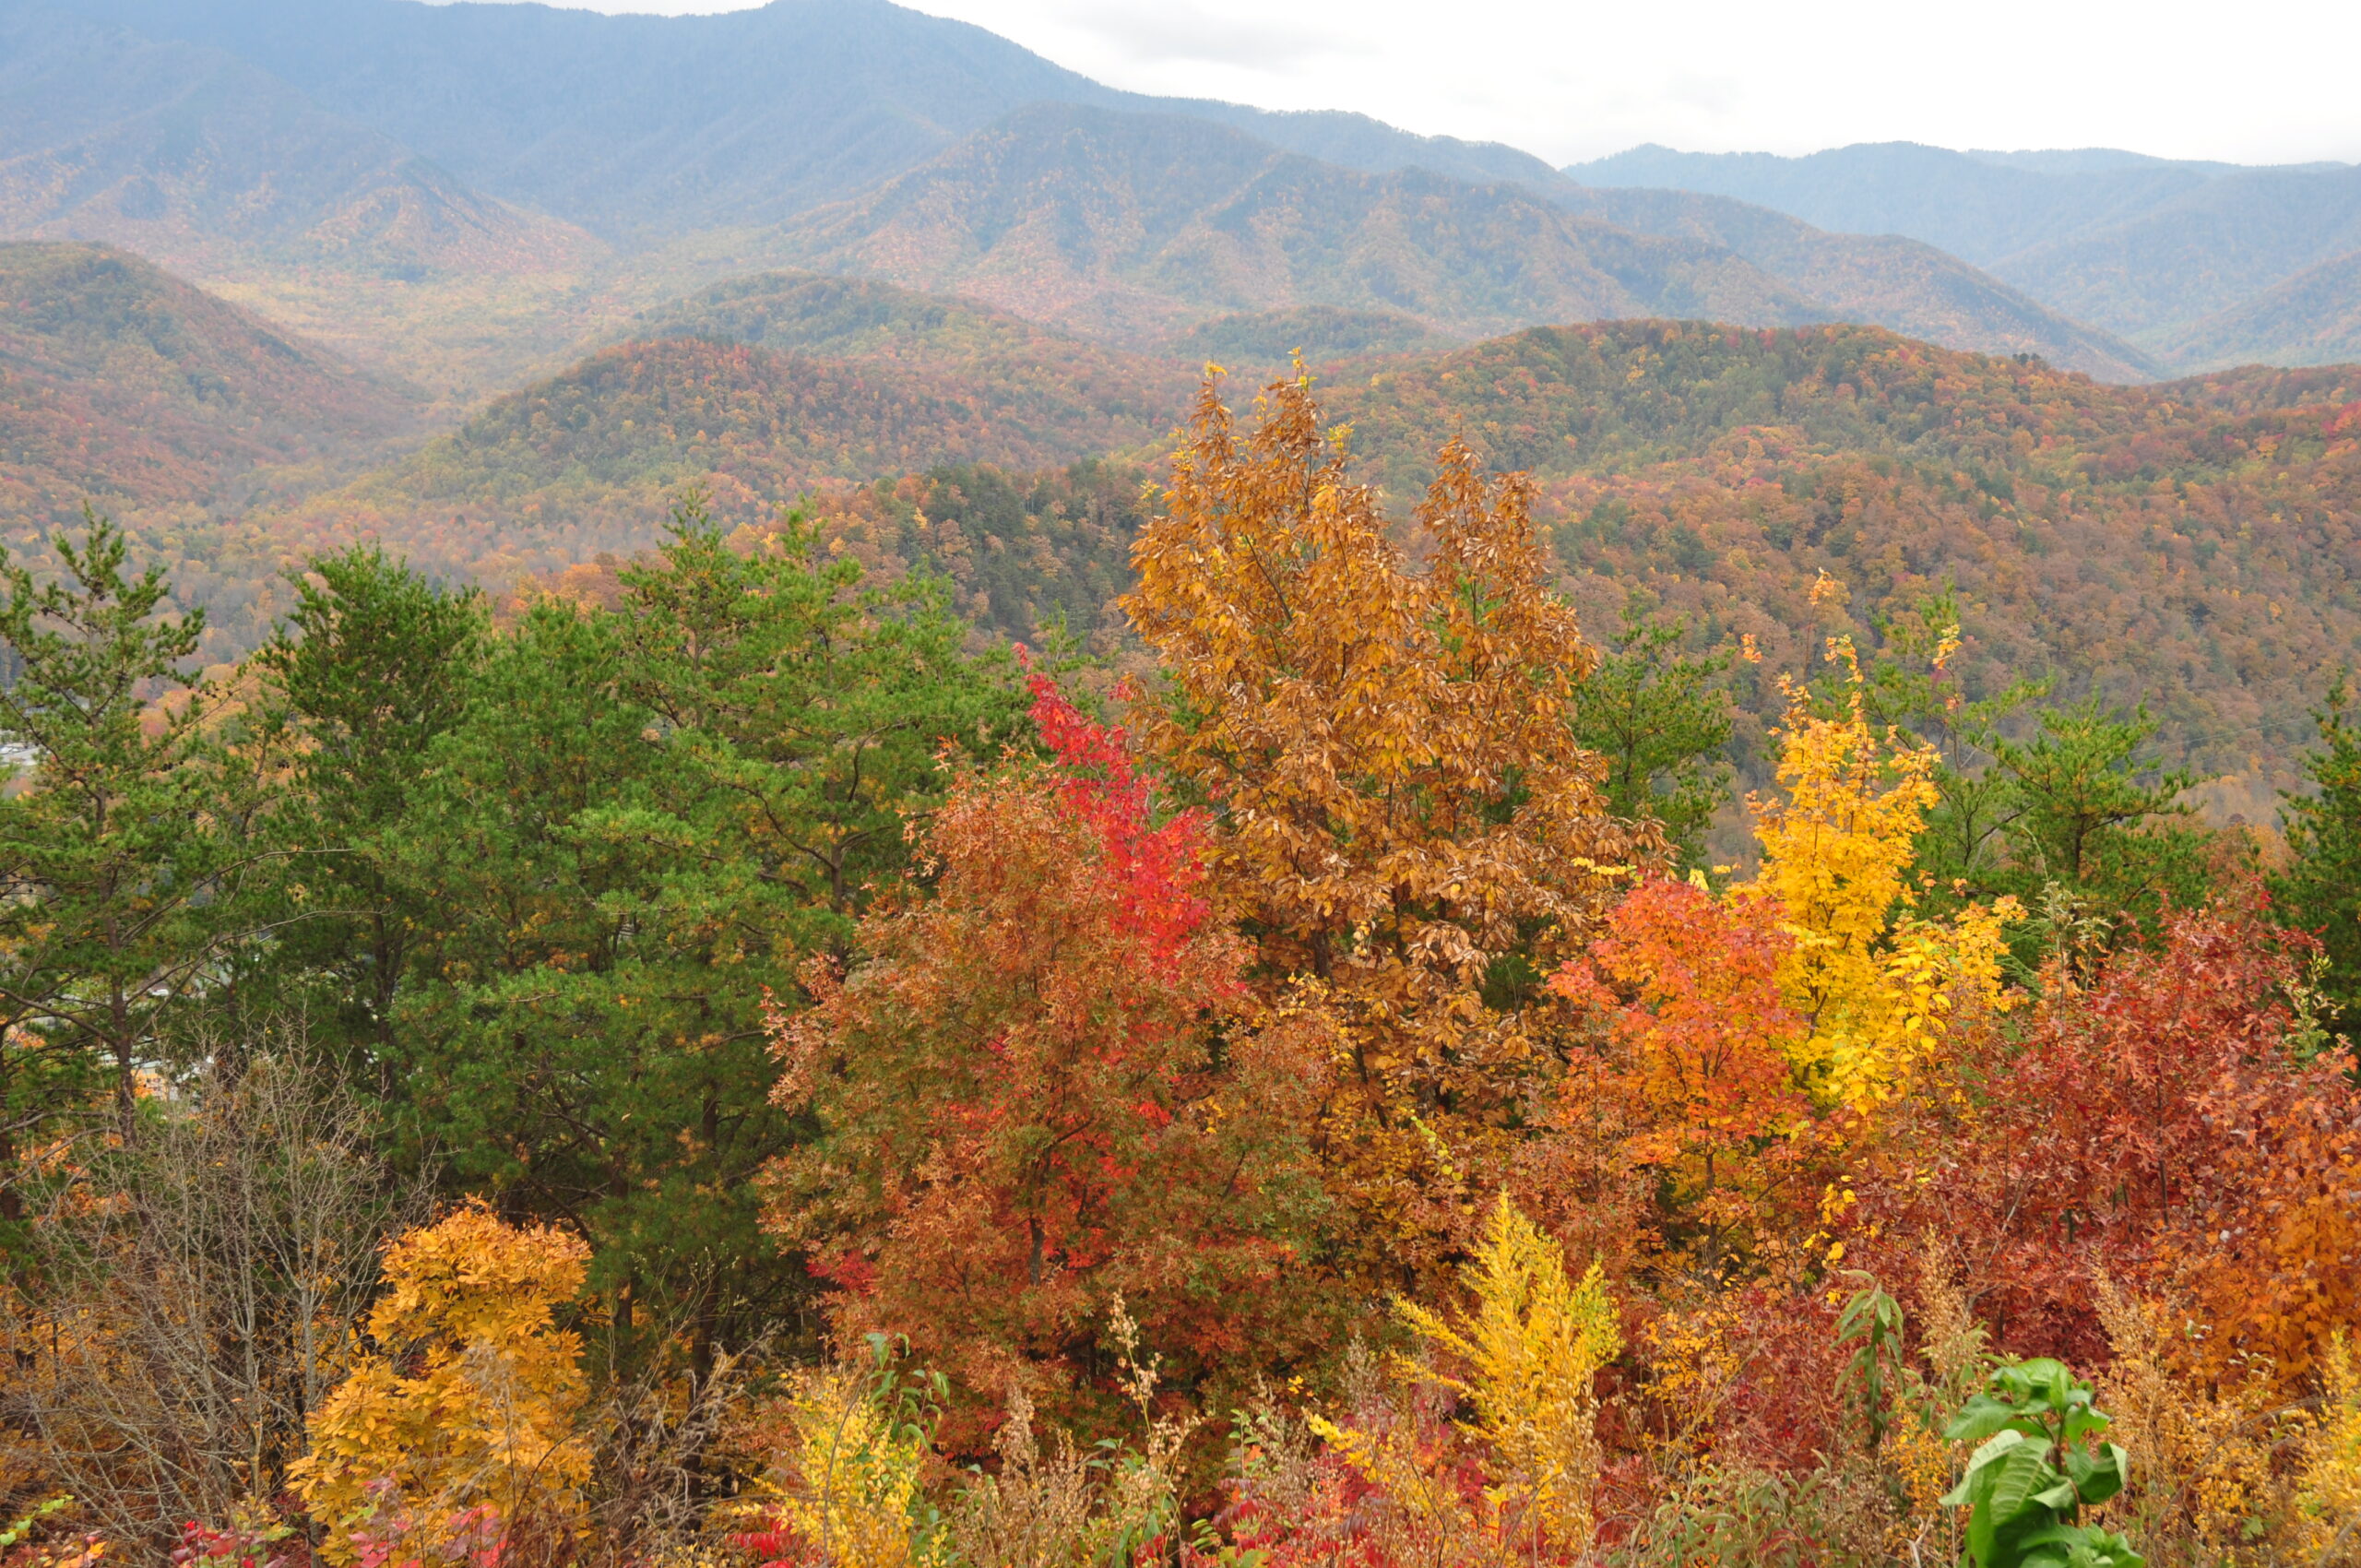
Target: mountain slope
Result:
[1965, 203]
[642, 126]
[2193, 544]
[1884, 281]
[1134, 227]
[592, 458]
[200, 160]
[2201, 253]
[2311, 318]
[124, 386]
[1059, 392]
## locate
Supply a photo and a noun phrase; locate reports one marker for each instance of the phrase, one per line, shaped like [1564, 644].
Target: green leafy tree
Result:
[2319, 891]
[1661, 719]
[645, 821]
[120, 854]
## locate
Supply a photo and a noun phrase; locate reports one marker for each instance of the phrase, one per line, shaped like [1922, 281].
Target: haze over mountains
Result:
[496, 284]
[2184, 259]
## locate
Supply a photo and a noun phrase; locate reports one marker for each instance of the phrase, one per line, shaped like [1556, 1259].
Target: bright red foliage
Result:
[1156, 868]
[1040, 1087]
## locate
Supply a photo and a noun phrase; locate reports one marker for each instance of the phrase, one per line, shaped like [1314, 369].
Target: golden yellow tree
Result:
[1403, 819]
[472, 1406]
[1878, 985]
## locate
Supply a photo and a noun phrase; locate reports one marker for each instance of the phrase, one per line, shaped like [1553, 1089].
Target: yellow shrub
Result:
[2331, 1484]
[1531, 1348]
[474, 1397]
[844, 1475]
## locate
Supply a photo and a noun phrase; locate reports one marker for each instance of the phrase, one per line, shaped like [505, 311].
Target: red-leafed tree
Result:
[1042, 1085]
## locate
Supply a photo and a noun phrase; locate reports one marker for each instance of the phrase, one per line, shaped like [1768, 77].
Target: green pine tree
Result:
[647, 823]
[2319, 890]
[120, 863]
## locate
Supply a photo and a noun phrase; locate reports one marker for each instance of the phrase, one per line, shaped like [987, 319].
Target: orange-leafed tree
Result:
[1399, 811]
[1697, 1064]
[1041, 1086]
[464, 1430]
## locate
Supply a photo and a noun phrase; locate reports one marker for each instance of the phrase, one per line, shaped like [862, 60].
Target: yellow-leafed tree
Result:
[468, 1416]
[1877, 985]
[844, 1473]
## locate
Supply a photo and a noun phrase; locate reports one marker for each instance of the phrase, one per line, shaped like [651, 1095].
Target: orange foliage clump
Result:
[1698, 1061]
[1398, 809]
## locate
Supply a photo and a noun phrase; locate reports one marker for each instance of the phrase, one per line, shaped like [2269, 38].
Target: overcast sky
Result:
[2245, 82]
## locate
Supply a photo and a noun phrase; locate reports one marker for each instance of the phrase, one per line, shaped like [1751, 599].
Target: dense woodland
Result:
[725, 1059]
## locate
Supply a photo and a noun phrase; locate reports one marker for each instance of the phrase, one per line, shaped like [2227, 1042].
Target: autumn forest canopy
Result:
[728, 1060]
[778, 791]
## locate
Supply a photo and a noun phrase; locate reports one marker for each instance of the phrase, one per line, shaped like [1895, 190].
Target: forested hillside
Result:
[125, 388]
[2202, 254]
[717, 1060]
[2313, 317]
[592, 460]
[2191, 545]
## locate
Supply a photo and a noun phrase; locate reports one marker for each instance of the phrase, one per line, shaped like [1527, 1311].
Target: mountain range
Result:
[497, 285]
[485, 188]
[2185, 260]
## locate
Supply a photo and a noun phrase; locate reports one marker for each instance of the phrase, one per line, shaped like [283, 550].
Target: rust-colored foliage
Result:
[2158, 1122]
[1400, 814]
[1044, 1086]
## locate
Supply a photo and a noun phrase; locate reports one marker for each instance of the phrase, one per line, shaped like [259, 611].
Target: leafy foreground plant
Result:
[2035, 1468]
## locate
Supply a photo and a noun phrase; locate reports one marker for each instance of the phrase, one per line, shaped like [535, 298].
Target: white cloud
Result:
[2189, 78]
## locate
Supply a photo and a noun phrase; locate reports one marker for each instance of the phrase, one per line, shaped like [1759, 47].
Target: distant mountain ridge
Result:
[2167, 254]
[638, 125]
[522, 141]
[1137, 226]
[1980, 210]
[194, 156]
